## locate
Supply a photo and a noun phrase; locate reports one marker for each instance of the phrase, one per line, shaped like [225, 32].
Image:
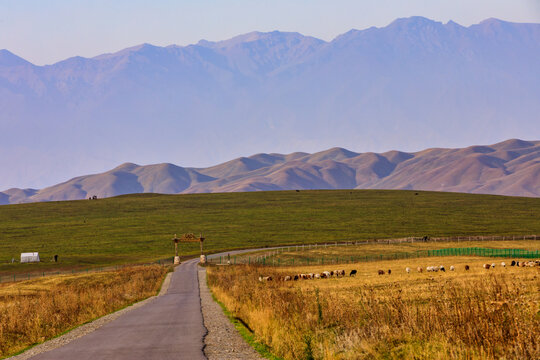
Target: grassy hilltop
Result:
[139, 228]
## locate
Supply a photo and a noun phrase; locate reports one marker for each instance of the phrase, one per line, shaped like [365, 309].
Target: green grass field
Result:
[139, 228]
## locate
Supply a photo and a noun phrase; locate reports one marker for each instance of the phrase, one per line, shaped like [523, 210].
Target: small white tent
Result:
[29, 257]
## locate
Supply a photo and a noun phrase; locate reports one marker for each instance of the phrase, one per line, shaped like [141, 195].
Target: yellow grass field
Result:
[475, 314]
[36, 310]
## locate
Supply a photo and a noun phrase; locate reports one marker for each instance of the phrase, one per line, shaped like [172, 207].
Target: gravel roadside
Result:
[222, 341]
[87, 328]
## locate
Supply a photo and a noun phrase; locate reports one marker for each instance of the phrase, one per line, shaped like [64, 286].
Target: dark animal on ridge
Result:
[353, 273]
[381, 272]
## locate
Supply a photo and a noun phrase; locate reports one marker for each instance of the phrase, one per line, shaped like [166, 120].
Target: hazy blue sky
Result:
[46, 31]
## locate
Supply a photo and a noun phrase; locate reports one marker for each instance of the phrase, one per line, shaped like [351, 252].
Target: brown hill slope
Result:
[511, 167]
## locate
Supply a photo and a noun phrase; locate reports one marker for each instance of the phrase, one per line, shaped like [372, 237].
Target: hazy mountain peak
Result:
[7, 58]
[413, 22]
[144, 48]
[256, 36]
[493, 22]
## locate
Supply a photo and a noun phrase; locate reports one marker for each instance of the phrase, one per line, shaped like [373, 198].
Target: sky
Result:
[44, 32]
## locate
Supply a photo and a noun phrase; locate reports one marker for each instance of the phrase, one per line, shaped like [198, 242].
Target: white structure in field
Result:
[29, 257]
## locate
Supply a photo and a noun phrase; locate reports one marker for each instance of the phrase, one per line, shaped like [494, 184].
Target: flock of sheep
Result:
[323, 275]
[342, 273]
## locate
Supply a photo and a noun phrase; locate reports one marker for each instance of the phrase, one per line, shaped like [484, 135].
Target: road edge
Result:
[88, 327]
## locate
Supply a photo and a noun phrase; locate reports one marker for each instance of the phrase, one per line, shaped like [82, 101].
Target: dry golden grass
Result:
[472, 314]
[36, 310]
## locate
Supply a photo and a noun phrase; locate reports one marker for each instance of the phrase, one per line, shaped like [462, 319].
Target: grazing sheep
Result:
[317, 276]
[381, 272]
[503, 264]
[467, 267]
[408, 270]
[432, 268]
[331, 273]
[326, 274]
[353, 273]
[487, 266]
[340, 272]
[442, 268]
[452, 268]
[419, 269]
[265, 278]
[513, 263]
[287, 278]
[296, 277]
[389, 271]
[493, 265]
[311, 275]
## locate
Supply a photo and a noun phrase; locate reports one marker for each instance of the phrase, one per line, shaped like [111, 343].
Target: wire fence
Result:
[273, 259]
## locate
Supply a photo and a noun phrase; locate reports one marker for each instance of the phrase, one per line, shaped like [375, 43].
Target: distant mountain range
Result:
[413, 84]
[511, 167]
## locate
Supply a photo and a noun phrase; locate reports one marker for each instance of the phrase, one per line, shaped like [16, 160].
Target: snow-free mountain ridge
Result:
[511, 167]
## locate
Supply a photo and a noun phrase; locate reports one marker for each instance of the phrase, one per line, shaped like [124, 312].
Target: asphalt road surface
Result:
[169, 327]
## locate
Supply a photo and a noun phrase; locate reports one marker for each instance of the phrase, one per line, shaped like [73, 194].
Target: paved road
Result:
[169, 327]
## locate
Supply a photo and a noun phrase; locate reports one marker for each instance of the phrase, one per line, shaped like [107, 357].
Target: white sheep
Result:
[452, 268]
[503, 264]
[408, 270]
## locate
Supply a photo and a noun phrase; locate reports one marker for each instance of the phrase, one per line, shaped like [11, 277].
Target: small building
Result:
[29, 257]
